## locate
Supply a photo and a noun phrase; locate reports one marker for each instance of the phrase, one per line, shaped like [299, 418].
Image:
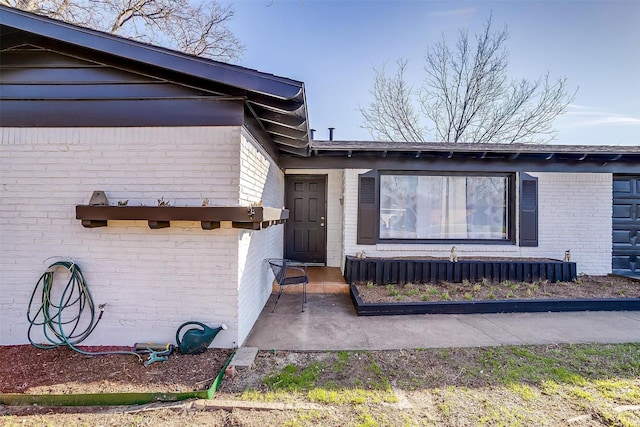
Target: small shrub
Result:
[412, 292]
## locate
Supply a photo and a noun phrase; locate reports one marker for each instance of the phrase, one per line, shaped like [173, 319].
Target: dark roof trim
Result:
[231, 75]
[516, 152]
[469, 157]
[275, 97]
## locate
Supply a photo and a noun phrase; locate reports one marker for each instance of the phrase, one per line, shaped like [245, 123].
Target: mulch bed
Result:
[30, 370]
[586, 287]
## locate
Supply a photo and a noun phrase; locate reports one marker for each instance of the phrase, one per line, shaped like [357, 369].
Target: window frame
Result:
[511, 208]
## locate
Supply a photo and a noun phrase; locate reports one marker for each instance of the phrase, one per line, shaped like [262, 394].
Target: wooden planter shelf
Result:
[210, 217]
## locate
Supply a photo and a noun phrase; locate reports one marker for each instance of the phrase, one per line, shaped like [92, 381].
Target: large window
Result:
[444, 207]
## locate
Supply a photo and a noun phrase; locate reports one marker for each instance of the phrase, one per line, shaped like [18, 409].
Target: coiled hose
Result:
[66, 330]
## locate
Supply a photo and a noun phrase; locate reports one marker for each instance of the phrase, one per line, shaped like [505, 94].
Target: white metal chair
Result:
[287, 275]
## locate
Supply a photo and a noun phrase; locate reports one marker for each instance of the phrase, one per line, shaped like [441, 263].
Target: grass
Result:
[498, 386]
[293, 379]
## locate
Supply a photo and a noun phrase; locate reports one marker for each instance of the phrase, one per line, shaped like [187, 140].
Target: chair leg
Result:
[279, 293]
[304, 295]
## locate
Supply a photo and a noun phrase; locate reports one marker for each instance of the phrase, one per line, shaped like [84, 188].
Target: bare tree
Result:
[466, 97]
[195, 27]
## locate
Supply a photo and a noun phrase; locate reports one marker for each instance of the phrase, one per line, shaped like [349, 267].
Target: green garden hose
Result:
[65, 329]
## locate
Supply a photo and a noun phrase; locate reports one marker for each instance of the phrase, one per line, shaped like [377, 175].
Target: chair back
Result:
[279, 268]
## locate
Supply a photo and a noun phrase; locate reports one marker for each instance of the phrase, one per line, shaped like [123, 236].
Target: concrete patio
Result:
[329, 322]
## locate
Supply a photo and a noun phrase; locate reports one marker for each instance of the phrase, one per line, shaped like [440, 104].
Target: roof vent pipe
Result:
[331, 133]
[313, 131]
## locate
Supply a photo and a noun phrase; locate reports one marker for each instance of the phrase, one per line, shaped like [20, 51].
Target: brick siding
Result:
[574, 213]
[152, 280]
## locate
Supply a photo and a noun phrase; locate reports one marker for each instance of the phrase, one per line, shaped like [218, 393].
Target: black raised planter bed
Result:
[420, 270]
[494, 306]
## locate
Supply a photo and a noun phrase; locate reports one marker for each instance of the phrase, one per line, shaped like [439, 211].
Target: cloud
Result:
[581, 116]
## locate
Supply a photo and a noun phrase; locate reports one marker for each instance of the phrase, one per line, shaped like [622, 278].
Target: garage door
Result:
[626, 225]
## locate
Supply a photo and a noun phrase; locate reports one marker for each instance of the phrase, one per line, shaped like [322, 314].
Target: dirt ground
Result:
[448, 387]
[26, 369]
[509, 386]
[585, 287]
[30, 370]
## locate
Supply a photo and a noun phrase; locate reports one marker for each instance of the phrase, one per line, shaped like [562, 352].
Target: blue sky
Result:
[333, 46]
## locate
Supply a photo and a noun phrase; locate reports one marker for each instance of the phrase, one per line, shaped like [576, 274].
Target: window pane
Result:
[398, 206]
[443, 207]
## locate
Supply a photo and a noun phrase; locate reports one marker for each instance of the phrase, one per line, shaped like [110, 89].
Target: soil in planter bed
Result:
[585, 287]
[30, 370]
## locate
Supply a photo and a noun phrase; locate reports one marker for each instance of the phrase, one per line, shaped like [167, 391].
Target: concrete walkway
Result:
[330, 323]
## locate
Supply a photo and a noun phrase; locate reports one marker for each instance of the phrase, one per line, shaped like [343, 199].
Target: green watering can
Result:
[197, 340]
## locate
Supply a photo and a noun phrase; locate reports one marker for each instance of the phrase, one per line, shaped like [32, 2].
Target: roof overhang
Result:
[469, 157]
[277, 103]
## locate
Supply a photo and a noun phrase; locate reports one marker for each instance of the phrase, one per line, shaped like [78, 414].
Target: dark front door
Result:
[305, 235]
[626, 225]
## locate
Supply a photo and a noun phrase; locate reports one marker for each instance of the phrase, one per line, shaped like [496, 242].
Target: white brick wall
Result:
[334, 216]
[260, 181]
[153, 280]
[574, 213]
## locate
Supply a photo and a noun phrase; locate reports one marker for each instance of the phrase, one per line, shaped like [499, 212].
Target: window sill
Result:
[488, 247]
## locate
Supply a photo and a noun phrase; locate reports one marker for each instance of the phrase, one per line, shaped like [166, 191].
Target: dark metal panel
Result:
[69, 76]
[41, 58]
[98, 91]
[121, 113]
[278, 105]
[626, 225]
[288, 142]
[152, 55]
[627, 164]
[297, 122]
[27, 37]
[285, 132]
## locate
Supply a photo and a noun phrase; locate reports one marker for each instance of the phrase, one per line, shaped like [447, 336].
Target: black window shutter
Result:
[367, 215]
[528, 210]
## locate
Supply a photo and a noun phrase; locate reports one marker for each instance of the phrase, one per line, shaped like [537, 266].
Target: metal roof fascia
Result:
[231, 75]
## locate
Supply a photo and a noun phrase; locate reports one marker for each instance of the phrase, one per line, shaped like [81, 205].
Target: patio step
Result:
[244, 357]
[322, 280]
